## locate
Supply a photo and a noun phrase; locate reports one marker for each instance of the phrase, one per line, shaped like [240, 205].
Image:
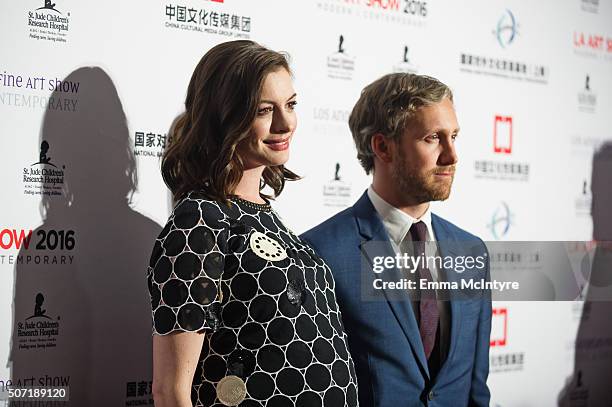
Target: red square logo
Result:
[499, 327]
[502, 135]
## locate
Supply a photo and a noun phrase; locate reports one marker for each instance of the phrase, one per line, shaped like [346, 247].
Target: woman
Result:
[244, 312]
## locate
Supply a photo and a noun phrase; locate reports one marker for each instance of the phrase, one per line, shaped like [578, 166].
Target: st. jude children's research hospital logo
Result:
[48, 23]
[43, 177]
[38, 330]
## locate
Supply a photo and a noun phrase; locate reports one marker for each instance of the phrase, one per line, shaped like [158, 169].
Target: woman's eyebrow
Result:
[272, 102]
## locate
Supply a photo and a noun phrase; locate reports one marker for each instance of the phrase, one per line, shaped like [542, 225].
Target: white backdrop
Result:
[73, 303]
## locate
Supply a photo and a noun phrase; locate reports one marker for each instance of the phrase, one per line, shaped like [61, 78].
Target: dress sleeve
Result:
[185, 270]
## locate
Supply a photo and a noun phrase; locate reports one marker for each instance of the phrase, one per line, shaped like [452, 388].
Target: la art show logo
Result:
[592, 45]
[48, 23]
[31, 92]
[45, 176]
[402, 12]
[45, 247]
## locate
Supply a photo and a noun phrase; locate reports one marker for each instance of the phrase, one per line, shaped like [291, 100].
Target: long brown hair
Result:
[221, 105]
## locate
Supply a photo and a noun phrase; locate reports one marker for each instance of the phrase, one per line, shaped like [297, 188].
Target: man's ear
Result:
[382, 147]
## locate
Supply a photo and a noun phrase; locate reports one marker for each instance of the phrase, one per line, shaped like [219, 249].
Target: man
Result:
[409, 350]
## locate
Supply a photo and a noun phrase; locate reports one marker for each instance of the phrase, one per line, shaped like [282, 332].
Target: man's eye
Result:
[433, 138]
[291, 105]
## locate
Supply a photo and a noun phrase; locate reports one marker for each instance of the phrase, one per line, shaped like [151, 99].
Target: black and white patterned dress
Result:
[264, 299]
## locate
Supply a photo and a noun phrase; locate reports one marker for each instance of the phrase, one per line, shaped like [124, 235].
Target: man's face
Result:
[424, 156]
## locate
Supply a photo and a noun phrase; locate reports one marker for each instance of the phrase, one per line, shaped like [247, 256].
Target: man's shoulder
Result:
[453, 231]
[334, 226]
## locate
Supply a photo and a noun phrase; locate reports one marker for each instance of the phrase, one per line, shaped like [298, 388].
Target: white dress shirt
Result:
[398, 223]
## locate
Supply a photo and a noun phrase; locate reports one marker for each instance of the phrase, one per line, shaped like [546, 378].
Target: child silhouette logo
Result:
[48, 6]
[39, 312]
[43, 159]
[587, 85]
[44, 147]
[340, 42]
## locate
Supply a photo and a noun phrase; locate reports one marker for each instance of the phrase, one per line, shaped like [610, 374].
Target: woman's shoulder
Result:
[197, 207]
[195, 196]
[197, 224]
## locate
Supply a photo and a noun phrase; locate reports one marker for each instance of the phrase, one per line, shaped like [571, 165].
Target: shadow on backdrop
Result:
[86, 323]
[591, 382]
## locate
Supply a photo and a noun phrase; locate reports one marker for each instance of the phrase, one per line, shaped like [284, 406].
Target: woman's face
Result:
[274, 124]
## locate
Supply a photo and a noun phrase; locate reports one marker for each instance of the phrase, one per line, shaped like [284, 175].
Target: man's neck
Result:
[399, 200]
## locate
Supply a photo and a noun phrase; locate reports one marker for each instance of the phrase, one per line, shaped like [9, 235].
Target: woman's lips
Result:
[278, 144]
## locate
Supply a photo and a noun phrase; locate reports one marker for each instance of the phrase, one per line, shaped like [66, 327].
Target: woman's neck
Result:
[248, 187]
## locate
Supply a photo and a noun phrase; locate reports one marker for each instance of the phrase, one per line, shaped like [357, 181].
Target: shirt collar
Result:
[396, 221]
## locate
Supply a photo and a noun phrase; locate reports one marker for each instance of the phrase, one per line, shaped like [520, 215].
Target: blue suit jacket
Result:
[383, 334]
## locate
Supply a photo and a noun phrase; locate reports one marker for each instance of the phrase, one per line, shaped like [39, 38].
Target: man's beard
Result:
[421, 186]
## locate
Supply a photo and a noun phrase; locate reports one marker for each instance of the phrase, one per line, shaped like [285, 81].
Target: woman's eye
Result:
[433, 138]
[265, 110]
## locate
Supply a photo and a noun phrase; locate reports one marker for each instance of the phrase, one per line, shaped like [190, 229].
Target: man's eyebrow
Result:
[439, 129]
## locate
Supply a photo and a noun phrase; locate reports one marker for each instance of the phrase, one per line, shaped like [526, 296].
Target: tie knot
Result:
[418, 231]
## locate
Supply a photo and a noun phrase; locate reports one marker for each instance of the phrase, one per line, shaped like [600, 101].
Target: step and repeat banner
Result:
[88, 91]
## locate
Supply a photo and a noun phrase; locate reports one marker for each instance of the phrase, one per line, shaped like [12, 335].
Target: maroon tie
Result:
[428, 305]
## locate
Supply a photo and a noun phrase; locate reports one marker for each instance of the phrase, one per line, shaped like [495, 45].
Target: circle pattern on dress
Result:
[264, 299]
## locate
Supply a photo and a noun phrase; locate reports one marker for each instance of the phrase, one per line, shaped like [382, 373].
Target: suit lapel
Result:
[376, 243]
